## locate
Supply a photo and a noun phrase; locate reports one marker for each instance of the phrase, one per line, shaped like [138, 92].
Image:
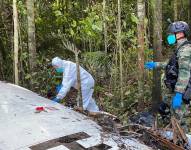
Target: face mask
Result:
[171, 39]
[59, 70]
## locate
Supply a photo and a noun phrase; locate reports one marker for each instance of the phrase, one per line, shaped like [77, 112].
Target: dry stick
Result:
[179, 131]
[130, 134]
[133, 125]
[79, 97]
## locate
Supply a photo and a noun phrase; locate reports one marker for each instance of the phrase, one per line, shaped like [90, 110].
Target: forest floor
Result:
[140, 127]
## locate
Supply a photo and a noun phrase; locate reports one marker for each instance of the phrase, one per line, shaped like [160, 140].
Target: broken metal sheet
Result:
[21, 128]
[89, 142]
[59, 148]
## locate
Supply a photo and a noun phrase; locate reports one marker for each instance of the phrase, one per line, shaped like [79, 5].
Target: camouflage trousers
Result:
[183, 114]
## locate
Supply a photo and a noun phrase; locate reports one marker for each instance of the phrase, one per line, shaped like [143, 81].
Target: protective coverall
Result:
[70, 80]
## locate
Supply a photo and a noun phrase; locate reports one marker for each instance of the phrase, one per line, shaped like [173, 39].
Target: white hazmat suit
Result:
[70, 80]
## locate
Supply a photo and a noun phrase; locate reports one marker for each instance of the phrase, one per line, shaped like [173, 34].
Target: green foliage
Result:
[98, 63]
[82, 22]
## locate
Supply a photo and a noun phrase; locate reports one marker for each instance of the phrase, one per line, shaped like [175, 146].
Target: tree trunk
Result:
[148, 29]
[105, 26]
[119, 45]
[31, 34]
[141, 44]
[157, 46]
[189, 13]
[16, 42]
[176, 10]
[1, 47]
[1, 62]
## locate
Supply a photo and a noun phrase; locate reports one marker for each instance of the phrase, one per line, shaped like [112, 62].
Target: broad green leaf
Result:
[74, 24]
[134, 18]
[28, 76]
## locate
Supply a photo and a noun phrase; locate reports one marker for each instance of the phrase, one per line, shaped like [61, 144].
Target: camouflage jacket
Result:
[184, 62]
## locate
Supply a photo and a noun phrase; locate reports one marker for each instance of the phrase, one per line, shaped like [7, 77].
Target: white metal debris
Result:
[21, 127]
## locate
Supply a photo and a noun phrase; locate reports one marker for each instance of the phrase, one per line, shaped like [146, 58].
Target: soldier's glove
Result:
[177, 101]
[150, 65]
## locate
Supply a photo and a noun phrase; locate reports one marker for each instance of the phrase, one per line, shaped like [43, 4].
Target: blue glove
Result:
[58, 87]
[177, 101]
[56, 100]
[150, 65]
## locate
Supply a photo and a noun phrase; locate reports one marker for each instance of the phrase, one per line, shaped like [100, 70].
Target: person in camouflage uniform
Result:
[177, 72]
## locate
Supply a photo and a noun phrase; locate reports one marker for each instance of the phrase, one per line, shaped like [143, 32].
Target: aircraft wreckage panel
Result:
[57, 128]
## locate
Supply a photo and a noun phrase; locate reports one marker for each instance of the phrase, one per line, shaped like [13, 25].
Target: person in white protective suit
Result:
[69, 80]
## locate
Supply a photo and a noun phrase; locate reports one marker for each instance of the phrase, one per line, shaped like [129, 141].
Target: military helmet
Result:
[179, 26]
